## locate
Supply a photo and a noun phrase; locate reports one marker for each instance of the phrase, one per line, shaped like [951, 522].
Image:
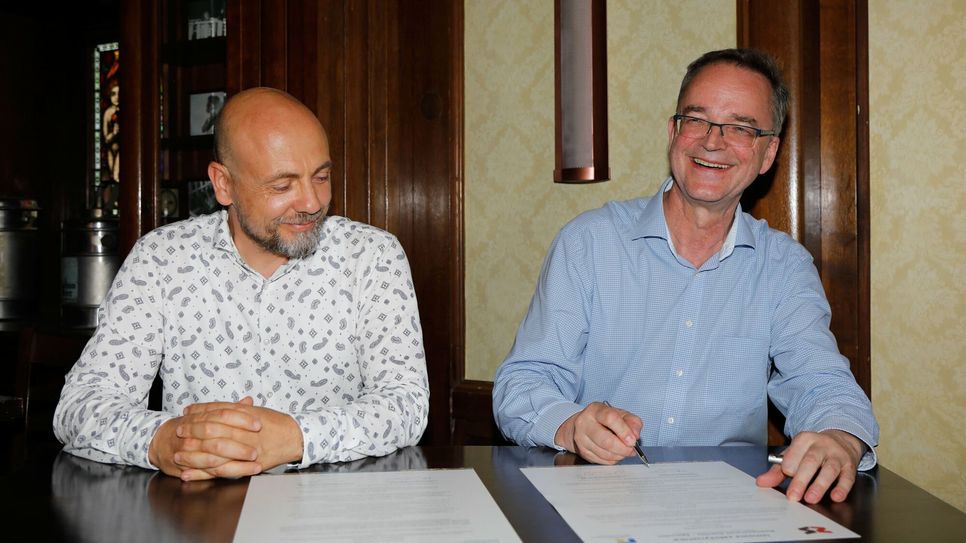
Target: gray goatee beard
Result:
[304, 243]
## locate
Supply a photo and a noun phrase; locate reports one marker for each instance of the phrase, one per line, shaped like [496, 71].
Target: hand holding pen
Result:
[637, 446]
[600, 433]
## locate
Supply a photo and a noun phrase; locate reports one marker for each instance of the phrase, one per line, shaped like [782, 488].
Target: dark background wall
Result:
[44, 112]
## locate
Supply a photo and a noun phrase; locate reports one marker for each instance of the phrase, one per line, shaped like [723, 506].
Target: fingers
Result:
[208, 429]
[605, 435]
[801, 474]
[771, 478]
[228, 469]
[198, 408]
[635, 424]
[815, 462]
[620, 422]
[588, 447]
[227, 416]
[213, 438]
[842, 489]
[209, 453]
[829, 472]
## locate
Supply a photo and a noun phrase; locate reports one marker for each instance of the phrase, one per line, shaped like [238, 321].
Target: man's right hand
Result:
[600, 433]
[224, 452]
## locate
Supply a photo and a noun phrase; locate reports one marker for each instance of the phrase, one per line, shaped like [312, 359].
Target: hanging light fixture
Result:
[580, 89]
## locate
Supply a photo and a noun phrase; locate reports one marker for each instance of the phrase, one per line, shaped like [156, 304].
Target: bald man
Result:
[284, 337]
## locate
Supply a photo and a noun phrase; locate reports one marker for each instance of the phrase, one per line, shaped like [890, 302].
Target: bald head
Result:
[255, 112]
[272, 172]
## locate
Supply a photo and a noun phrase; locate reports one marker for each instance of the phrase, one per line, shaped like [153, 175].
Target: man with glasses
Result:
[670, 320]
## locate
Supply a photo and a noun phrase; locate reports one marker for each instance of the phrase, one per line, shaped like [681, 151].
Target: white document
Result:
[417, 506]
[685, 501]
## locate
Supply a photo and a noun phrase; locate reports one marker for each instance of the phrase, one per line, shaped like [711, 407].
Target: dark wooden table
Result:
[53, 496]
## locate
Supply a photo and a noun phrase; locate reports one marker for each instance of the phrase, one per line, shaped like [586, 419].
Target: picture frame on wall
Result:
[204, 108]
[206, 19]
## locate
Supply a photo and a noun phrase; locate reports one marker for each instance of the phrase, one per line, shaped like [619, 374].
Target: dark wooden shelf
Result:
[195, 52]
[186, 143]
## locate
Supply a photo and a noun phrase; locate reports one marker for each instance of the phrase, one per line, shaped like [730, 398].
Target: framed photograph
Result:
[205, 107]
[206, 19]
[201, 198]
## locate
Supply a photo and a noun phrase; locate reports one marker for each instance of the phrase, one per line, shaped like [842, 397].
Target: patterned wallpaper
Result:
[917, 106]
[917, 79]
[512, 207]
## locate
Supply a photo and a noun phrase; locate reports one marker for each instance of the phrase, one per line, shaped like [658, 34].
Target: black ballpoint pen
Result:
[640, 451]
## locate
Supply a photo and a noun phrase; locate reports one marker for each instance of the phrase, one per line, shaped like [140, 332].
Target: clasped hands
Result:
[605, 435]
[225, 439]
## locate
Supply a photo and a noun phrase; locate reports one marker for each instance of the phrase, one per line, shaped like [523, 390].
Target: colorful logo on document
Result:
[625, 540]
[815, 530]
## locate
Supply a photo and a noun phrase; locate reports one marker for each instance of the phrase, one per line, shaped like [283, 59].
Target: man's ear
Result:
[770, 152]
[221, 181]
[671, 126]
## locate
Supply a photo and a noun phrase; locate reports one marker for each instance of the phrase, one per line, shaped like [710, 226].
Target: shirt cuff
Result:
[309, 426]
[149, 423]
[546, 424]
[869, 459]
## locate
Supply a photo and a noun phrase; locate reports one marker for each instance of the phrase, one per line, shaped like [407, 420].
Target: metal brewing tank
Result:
[19, 258]
[89, 261]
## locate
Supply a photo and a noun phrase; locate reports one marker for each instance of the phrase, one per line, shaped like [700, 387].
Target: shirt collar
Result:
[653, 224]
[223, 241]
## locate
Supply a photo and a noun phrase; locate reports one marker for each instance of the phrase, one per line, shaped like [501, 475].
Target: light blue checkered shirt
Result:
[619, 316]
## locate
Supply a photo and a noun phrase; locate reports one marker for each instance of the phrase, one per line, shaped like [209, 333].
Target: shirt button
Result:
[689, 323]
[670, 420]
[679, 373]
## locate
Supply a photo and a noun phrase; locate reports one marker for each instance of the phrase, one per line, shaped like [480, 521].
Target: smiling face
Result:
[275, 179]
[708, 171]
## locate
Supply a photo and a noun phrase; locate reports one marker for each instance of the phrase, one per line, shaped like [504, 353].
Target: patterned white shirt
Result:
[333, 339]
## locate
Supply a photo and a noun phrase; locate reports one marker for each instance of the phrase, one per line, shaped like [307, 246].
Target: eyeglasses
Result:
[737, 135]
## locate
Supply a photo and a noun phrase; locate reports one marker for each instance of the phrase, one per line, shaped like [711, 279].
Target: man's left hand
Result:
[815, 461]
[279, 440]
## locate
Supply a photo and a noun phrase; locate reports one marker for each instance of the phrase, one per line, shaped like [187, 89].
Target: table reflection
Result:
[105, 502]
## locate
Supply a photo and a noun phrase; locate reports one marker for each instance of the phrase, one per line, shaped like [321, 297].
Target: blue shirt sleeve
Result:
[535, 388]
[811, 382]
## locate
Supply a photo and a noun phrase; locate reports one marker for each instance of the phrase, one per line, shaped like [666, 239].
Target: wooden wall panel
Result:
[844, 180]
[788, 31]
[822, 47]
[140, 137]
[818, 190]
[379, 75]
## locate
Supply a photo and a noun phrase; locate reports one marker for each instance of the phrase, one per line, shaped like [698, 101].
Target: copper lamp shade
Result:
[580, 89]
